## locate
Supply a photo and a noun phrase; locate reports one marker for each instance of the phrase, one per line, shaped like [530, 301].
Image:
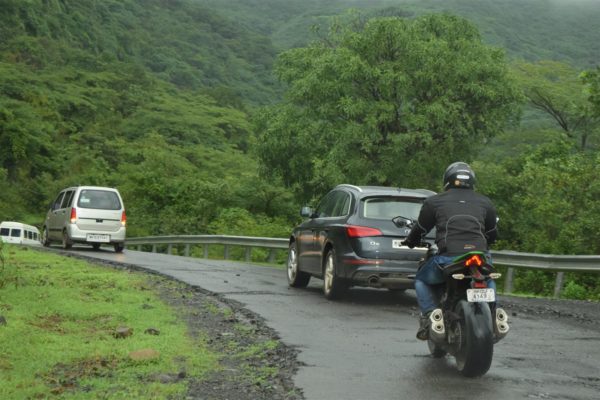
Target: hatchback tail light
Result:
[73, 215]
[123, 218]
[355, 231]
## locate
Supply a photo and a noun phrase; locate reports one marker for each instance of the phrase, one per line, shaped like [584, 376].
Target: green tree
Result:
[557, 89]
[541, 200]
[592, 79]
[547, 201]
[390, 101]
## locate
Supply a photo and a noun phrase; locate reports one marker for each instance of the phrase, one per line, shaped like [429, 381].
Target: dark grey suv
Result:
[350, 240]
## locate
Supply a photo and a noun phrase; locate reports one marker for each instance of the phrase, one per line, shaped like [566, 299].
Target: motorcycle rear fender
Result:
[480, 316]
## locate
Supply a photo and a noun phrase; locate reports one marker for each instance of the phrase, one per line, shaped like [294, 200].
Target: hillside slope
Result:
[150, 96]
[529, 29]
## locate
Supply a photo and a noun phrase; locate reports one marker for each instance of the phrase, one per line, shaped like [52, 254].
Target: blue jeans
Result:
[430, 282]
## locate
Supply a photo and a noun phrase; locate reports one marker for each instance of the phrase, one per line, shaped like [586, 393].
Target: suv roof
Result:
[369, 190]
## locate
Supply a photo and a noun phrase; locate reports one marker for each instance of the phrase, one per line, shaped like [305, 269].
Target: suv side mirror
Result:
[306, 212]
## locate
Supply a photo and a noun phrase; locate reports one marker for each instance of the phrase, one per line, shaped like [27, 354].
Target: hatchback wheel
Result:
[45, 238]
[66, 242]
[333, 286]
[296, 278]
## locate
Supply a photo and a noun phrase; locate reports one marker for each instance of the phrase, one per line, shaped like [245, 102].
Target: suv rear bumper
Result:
[390, 274]
[80, 236]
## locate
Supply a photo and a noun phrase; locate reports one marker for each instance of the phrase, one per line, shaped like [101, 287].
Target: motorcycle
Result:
[467, 324]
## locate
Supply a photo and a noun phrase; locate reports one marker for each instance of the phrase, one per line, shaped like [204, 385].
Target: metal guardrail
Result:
[545, 262]
[512, 259]
[273, 244]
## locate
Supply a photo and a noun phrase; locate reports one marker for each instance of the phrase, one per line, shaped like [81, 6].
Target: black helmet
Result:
[459, 175]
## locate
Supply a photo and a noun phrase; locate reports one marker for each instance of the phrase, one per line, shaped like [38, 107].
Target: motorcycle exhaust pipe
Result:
[501, 327]
[437, 330]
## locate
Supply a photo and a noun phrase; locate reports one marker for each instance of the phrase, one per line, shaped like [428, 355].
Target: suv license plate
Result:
[480, 295]
[397, 244]
[93, 237]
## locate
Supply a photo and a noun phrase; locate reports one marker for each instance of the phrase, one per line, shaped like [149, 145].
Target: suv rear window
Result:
[390, 207]
[99, 199]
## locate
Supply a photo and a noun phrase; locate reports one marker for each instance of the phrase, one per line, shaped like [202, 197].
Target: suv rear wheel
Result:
[296, 278]
[333, 286]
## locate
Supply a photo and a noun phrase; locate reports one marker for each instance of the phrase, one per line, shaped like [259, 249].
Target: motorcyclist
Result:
[464, 221]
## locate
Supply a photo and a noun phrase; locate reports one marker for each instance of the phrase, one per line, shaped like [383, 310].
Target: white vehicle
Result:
[18, 233]
[86, 214]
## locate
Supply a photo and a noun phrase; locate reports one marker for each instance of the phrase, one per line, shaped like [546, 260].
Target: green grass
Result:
[61, 315]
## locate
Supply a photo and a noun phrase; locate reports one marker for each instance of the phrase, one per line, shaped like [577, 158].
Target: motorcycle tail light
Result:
[479, 285]
[474, 260]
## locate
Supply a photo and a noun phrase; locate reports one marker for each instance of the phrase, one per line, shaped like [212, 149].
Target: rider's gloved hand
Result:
[407, 243]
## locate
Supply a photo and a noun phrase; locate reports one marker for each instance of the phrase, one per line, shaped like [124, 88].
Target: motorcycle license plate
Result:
[480, 295]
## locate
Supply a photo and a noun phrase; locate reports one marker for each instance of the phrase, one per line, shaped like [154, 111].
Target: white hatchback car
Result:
[86, 214]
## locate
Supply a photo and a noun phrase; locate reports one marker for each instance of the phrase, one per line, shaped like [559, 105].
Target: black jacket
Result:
[464, 221]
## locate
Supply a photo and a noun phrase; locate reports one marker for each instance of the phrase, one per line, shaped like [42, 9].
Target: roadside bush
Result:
[574, 291]
[538, 283]
[588, 283]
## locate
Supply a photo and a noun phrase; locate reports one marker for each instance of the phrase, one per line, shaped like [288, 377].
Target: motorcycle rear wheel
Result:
[435, 350]
[476, 348]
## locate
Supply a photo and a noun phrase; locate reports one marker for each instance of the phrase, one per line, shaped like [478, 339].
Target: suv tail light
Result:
[73, 215]
[123, 218]
[354, 231]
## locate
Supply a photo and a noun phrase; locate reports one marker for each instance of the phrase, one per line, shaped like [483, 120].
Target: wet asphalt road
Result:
[363, 347]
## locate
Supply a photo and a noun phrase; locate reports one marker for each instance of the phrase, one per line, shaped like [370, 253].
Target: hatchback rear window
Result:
[390, 207]
[99, 199]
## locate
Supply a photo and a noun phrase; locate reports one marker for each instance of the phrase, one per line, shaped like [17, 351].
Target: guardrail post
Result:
[508, 281]
[186, 252]
[272, 255]
[226, 252]
[248, 254]
[169, 249]
[154, 248]
[560, 277]
[205, 247]
[139, 247]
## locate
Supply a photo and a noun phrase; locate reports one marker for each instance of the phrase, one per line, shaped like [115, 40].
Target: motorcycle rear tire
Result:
[436, 350]
[474, 356]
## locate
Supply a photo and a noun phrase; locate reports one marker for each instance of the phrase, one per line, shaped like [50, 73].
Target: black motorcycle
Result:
[467, 324]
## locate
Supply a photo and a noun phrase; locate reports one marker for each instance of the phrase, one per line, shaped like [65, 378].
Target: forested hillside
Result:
[149, 96]
[560, 30]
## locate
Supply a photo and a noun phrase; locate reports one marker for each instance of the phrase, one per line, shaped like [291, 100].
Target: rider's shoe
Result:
[424, 323]
[501, 327]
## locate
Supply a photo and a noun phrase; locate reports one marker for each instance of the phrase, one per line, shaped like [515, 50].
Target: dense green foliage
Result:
[392, 89]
